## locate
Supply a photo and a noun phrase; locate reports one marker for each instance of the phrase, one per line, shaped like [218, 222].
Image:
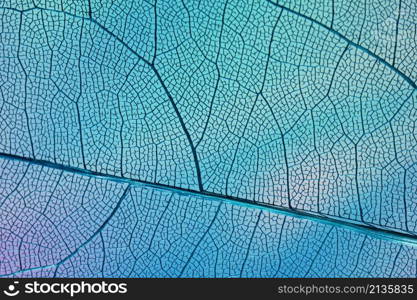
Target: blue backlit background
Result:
[208, 138]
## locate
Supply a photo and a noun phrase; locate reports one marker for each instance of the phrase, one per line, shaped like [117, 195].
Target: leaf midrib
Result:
[366, 228]
[370, 229]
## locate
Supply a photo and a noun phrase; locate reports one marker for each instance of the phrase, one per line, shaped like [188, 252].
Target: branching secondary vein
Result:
[367, 228]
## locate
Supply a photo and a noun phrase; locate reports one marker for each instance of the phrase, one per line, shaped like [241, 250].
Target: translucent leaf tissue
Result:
[185, 138]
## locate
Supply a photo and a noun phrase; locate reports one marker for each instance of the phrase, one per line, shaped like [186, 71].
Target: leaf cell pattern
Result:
[208, 138]
[136, 230]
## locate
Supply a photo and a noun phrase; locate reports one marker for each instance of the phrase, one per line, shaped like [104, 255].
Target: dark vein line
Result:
[163, 215]
[319, 160]
[356, 45]
[279, 246]
[250, 244]
[318, 252]
[232, 164]
[200, 240]
[90, 12]
[369, 228]
[193, 148]
[155, 32]
[284, 149]
[333, 12]
[396, 32]
[104, 254]
[16, 187]
[58, 182]
[148, 63]
[170, 98]
[184, 128]
[358, 257]
[77, 105]
[358, 194]
[335, 71]
[26, 84]
[268, 58]
[387, 233]
[122, 119]
[98, 231]
[405, 199]
[394, 264]
[216, 88]
[350, 42]
[41, 268]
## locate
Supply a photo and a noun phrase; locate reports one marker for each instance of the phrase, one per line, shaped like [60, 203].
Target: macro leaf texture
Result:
[208, 138]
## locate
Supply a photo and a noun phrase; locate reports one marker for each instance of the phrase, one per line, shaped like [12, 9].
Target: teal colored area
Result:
[84, 226]
[218, 139]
